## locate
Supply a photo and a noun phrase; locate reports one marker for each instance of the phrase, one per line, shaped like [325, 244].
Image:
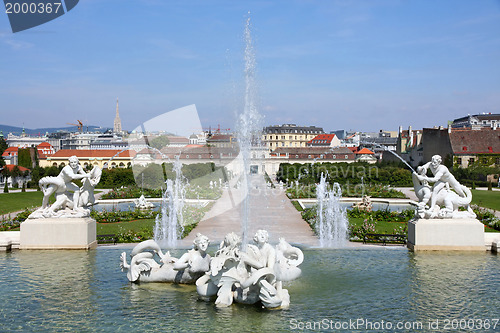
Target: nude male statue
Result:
[62, 185]
[442, 176]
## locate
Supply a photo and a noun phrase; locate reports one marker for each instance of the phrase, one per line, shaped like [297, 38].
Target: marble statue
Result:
[185, 270]
[70, 200]
[444, 198]
[253, 276]
[142, 203]
[365, 204]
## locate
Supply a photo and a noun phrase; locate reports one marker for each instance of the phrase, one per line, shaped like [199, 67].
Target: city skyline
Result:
[362, 65]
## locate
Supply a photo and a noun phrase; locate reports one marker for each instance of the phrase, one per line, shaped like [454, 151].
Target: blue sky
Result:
[362, 65]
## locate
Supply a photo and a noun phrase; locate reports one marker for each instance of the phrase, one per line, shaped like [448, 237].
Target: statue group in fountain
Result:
[365, 204]
[444, 198]
[232, 275]
[70, 199]
[142, 203]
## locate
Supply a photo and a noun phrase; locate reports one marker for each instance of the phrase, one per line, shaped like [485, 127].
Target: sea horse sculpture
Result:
[186, 270]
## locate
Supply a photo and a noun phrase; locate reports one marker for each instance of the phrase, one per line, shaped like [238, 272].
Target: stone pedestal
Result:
[446, 235]
[58, 234]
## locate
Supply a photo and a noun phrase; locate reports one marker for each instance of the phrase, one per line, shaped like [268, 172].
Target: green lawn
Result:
[13, 202]
[381, 227]
[487, 199]
[114, 228]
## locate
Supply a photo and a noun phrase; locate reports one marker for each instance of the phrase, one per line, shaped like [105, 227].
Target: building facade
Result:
[478, 121]
[289, 136]
[112, 158]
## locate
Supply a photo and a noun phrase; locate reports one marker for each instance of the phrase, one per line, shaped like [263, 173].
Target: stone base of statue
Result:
[58, 234]
[446, 235]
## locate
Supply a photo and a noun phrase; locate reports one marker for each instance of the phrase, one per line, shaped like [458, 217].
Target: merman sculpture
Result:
[232, 275]
[252, 276]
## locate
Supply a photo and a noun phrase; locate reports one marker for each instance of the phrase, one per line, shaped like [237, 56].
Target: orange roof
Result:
[10, 150]
[44, 144]
[84, 153]
[365, 151]
[11, 167]
[327, 137]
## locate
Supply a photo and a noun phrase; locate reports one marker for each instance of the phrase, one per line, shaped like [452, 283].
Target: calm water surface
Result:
[79, 291]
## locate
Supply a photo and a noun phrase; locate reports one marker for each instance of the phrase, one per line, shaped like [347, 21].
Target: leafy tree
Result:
[159, 142]
[3, 147]
[6, 187]
[24, 158]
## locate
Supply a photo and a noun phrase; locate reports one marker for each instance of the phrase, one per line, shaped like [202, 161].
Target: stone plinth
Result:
[446, 235]
[58, 234]
[9, 240]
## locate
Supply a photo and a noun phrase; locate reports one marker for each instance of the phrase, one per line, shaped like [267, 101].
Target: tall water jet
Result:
[248, 128]
[332, 226]
[169, 227]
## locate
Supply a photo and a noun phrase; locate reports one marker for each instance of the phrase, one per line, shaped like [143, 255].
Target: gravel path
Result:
[270, 209]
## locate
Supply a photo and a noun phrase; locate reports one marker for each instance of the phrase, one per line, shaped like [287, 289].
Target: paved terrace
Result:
[270, 209]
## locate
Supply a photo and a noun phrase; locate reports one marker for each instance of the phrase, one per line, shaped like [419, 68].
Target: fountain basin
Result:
[86, 291]
[128, 204]
[377, 203]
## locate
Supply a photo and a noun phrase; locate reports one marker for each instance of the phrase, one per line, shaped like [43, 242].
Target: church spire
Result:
[117, 126]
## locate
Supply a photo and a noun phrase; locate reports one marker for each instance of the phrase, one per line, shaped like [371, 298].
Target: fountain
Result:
[340, 290]
[169, 227]
[248, 128]
[392, 152]
[332, 226]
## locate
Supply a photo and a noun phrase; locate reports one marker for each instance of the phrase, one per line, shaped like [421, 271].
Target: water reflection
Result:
[454, 285]
[81, 291]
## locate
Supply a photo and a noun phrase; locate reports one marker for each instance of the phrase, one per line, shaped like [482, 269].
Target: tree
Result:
[3, 146]
[6, 187]
[24, 158]
[159, 142]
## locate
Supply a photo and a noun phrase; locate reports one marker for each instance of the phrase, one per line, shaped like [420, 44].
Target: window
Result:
[187, 156]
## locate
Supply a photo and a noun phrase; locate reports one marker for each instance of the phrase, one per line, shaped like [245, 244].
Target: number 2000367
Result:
[32, 8]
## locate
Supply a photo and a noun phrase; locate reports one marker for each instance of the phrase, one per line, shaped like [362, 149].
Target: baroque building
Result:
[289, 135]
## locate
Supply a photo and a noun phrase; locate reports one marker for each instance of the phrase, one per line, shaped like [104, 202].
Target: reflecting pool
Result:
[85, 291]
